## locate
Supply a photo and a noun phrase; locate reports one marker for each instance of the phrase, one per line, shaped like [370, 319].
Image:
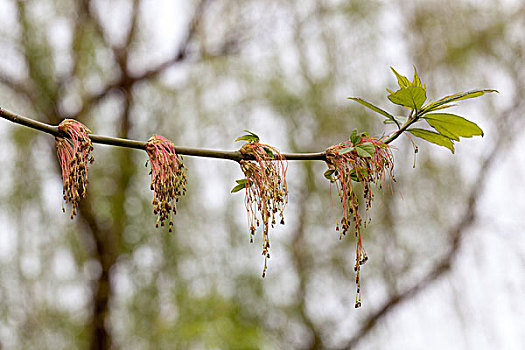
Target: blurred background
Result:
[446, 249]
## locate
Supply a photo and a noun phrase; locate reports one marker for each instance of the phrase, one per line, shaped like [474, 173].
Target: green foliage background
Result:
[283, 70]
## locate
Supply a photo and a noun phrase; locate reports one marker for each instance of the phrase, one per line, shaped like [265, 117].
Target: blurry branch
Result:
[15, 86]
[456, 233]
[105, 251]
[127, 79]
[133, 25]
[115, 141]
[300, 259]
[108, 243]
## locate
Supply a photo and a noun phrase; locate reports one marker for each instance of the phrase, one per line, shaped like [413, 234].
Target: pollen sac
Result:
[168, 178]
[74, 151]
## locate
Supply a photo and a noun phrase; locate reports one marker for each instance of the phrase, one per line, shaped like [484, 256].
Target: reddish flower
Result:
[372, 163]
[74, 156]
[266, 190]
[168, 179]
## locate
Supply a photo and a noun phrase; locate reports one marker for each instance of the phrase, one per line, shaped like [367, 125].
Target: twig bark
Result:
[121, 142]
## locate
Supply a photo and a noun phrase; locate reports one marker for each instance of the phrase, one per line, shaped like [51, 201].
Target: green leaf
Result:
[346, 150]
[402, 81]
[268, 151]
[354, 137]
[240, 185]
[411, 97]
[432, 107]
[416, 81]
[365, 150]
[251, 133]
[453, 126]
[251, 137]
[372, 107]
[353, 174]
[328, 174]
[433, 137]
[456, 97]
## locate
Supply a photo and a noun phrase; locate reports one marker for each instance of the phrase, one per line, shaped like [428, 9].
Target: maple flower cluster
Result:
[266, 190]
[74, 152]
[368, 165]
[168, 178]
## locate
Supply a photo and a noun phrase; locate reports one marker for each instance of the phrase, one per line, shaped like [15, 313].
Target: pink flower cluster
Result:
[74, 151]
[348, 166]
[168, 178]
[266, 190]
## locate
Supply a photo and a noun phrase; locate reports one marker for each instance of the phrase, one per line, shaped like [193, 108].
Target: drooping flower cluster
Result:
[168, 178]
[367, 161]
[266, 190]
[74, 155]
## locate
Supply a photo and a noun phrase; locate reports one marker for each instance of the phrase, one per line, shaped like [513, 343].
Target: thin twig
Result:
[34, 124]
[115, 141]
[401, 130]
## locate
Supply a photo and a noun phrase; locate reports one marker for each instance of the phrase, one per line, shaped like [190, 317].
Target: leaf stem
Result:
[411, 120]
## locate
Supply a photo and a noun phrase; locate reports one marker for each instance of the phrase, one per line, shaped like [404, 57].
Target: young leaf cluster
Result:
[445, 128]
[363, 149]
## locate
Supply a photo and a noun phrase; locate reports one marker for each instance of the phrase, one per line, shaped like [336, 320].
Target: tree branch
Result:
[16, 86]
[115, 141]
[34, 124]
[128, 79]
